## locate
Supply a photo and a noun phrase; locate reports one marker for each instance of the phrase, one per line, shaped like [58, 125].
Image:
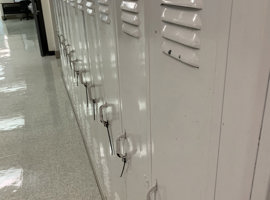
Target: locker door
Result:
[187, 69]
[94, 133]
[63, 40]
[109, 111]
[76, 58]
[68, 47]
[134, 89]
[244, 101]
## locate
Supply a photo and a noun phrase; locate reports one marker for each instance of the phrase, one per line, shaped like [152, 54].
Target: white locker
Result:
[188, 47]
[177, 83]
[244, 100]
[109, 111]
[134, 89]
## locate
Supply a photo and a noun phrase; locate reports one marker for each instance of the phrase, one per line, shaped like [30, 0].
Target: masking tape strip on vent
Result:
[181, 53]
[181, 35]
[197, 4]
[131, 30]
[130, 6]
[130, 18]
[186, 18]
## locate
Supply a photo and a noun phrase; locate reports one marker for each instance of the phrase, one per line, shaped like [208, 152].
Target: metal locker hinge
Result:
[153, 190]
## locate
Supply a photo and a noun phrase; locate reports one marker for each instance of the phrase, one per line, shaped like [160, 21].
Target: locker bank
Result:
[171, 97]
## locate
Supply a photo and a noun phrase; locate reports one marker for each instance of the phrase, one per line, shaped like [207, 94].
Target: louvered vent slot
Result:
[89, 6]
[130, 18]
[181, 27]
[104, 11]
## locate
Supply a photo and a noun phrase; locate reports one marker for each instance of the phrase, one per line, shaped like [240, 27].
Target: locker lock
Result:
[106, 123]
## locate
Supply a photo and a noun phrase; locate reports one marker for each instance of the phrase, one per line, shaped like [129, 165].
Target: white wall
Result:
[46, 8]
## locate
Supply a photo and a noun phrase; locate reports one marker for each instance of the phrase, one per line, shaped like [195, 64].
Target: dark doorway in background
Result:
[40, 26]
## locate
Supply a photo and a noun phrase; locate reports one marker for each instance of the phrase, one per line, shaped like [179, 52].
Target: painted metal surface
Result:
[131, 30]
[134, 89]
[155, 80]
[183, 36]
[130, 18]
[246, 85]
[198, 4]
[186, 18]
[186, 105]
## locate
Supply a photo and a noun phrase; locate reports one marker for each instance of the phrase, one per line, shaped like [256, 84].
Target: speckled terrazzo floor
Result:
[41, 151]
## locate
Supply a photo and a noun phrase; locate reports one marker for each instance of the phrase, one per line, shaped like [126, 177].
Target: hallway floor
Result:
[41, 150]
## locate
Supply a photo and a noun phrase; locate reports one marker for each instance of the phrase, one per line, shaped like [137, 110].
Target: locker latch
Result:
[60, 39]
[76, 69]
[93, 98]
[153, 190]
[120, 150]
[106, 123]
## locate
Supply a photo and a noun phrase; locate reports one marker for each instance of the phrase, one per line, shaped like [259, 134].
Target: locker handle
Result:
[152, 190]
[119, 146]
[120, 151]
[101, 116]
[92, 99]
[106, 124]
[70, 55]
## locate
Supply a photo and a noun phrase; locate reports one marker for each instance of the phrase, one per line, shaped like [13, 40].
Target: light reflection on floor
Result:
[11, 123]
[11, 178]
[14, 87]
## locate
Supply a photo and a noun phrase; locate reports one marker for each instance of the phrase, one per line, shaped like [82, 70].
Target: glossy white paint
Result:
[134, 89]
[188, 18]
[181, 35]
[130, 18]
[131, 30]
[197, 4]
[155, 70]
[186, 103]
[181, 53]
[131, 6]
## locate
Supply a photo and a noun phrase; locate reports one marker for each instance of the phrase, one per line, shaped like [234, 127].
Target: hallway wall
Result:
[48, 24]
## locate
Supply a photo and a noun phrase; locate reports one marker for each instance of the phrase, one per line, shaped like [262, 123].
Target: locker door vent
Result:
[72, 3]
[80, 4]
[89, 6]
[104, 11]
[130, 17]
[180, 31]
